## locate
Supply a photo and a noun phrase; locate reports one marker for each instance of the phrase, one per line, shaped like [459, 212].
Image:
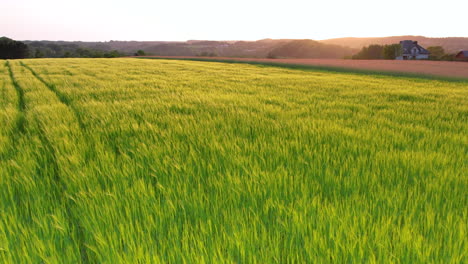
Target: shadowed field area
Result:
[427, 68]
[168, 161]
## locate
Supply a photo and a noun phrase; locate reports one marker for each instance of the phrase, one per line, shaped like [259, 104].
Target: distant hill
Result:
[255, 49]
[451, 45]
[307, 48]
[285, 48]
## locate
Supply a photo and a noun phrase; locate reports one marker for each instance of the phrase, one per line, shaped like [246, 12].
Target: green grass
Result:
[165, 161]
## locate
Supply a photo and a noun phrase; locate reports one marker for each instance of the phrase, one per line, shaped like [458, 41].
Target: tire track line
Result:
[50, 163]
[20, 119]
[19, 127]
[62, 97]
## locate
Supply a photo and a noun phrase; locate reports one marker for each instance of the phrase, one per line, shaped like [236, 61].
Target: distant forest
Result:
[254, 49]
[357, 48]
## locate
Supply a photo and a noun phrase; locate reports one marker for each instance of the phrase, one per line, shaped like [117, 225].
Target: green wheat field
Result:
[167, 161]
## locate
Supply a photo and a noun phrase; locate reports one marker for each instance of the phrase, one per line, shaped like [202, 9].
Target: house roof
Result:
[408, 45]
[464, 52]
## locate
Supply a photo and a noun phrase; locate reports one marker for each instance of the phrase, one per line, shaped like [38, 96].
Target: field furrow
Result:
[48, 197]
[9, 112]
[20, 121]
[52, 166]
[65, 100]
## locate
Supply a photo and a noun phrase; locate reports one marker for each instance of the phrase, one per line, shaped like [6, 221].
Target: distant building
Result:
[462, 55]
[410, 50]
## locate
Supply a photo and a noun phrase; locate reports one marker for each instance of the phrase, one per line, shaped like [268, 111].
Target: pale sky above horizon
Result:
[179, 20]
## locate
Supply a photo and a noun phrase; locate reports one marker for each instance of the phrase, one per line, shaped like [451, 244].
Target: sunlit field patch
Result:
[165, 161]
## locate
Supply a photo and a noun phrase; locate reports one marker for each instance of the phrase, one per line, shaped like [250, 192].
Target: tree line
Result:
[306, 48]
[390, 52]
[378, 52]
[12, 49]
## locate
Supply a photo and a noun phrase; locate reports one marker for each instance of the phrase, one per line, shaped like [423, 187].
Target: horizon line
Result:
[225, 40]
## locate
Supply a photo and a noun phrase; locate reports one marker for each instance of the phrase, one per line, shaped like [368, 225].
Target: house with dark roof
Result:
[462, 55]
[411, 50]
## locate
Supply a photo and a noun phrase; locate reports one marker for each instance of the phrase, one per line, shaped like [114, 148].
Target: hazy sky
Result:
[103, 20]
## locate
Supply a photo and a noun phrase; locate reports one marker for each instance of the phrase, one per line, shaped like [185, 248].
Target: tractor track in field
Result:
[51, 157]
[68, 103]
[62, 97]
[51, 161]
[20, 123]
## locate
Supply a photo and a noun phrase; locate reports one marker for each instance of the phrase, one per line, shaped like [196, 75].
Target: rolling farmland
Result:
[450, 69]
[166, 161]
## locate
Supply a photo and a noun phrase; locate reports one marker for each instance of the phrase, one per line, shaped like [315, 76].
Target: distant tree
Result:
[207, 54]
[83, 53]
[11, 49]
[38, 54]
[271, 55]
[436, 52]
[140, 53]
[113, 54]
[378, 52]
[448, 57]
[390, 52]
[55, 50]
[306, 48]
[97, 54]
[373, 52]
